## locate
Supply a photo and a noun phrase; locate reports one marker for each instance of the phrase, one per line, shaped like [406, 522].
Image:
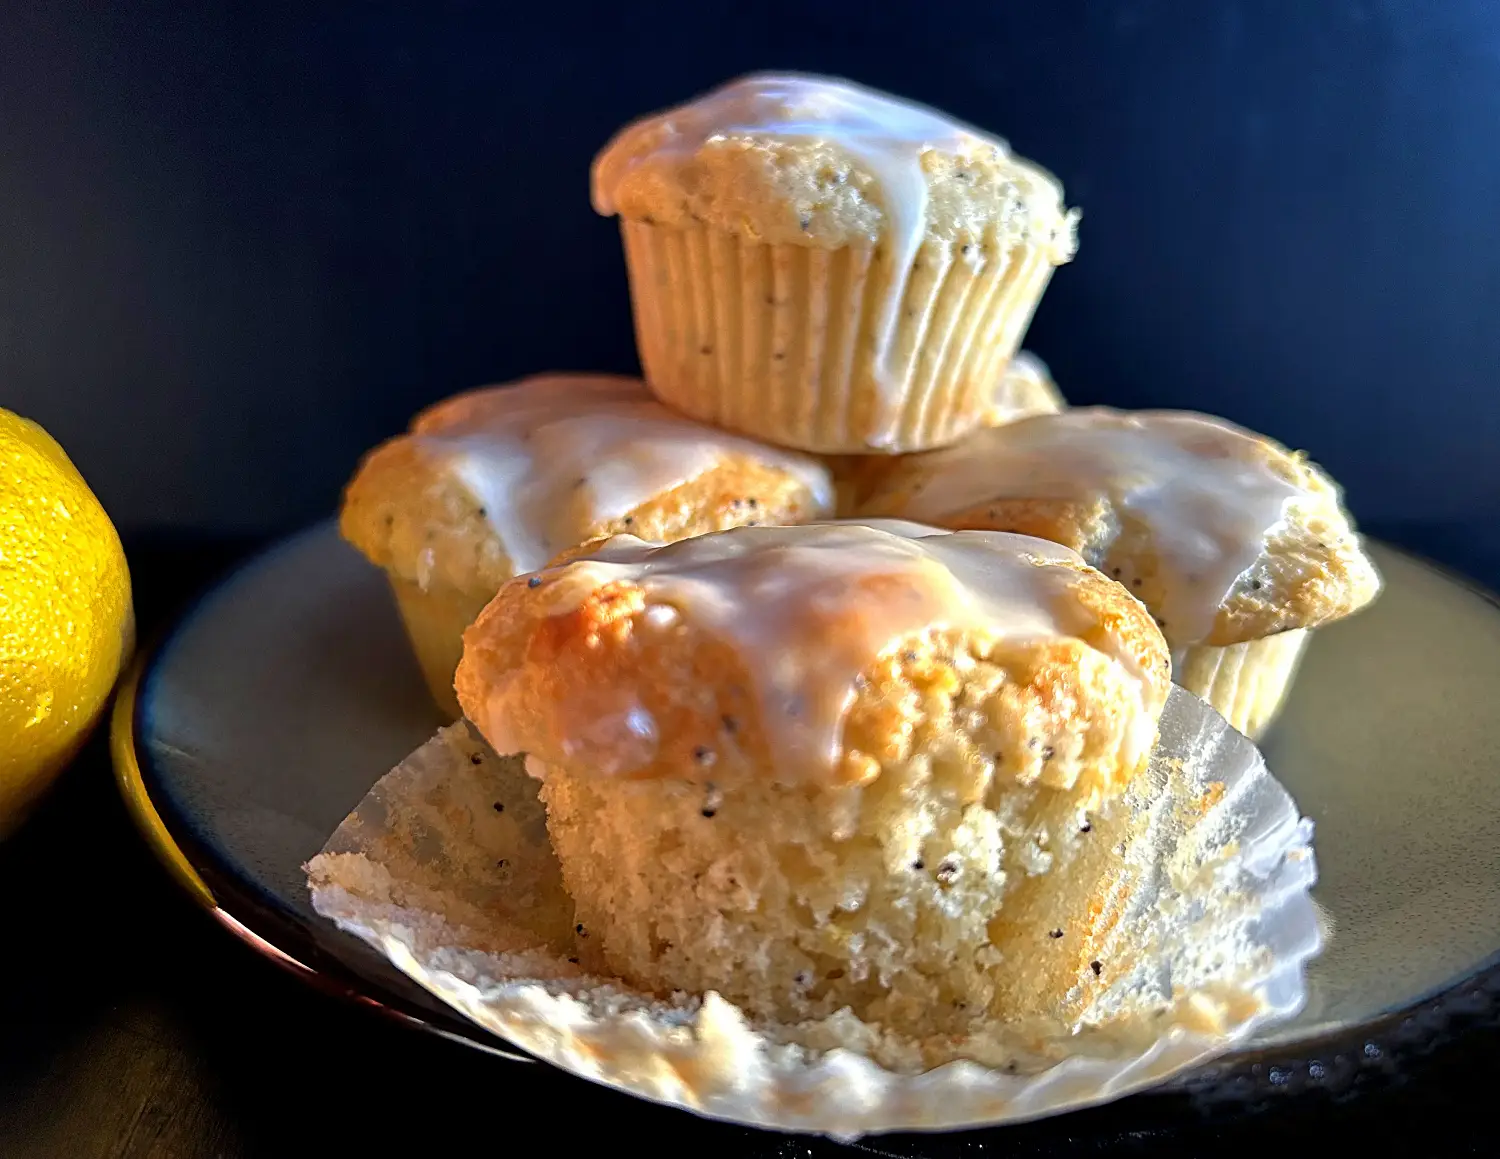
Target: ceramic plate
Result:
[289, 690]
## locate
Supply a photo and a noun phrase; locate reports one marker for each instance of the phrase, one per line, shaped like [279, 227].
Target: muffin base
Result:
[795, 902]
[435, 620]
[781, 341]
[1248, 683]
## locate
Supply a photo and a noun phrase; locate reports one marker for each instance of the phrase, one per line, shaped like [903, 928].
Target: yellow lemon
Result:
[66, 626]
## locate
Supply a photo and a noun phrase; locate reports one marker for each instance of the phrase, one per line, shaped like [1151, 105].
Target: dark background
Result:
[240, 243]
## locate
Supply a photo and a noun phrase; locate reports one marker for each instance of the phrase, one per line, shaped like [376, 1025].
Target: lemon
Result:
[66, 626]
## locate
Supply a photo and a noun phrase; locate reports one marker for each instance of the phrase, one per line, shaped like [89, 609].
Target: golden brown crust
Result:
[1311, 571]
[1002, 711]
[411, 515]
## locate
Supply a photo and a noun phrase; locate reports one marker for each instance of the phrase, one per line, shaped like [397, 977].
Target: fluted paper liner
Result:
[445, 868]
[1248, 682]
[783, 341]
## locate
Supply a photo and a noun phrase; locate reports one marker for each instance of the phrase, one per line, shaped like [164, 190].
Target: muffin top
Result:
[1225, 535]
[816, 654]
[497, 481]
[787, 158]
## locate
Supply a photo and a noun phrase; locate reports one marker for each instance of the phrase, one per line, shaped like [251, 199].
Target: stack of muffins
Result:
[830, 286]
[824, 766]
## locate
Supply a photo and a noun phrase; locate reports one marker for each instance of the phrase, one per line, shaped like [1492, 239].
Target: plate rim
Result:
[191, 867]
[1282, 1067]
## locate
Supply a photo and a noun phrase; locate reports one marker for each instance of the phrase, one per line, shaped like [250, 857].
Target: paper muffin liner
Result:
[782, 341]
[435, 619]
[1248, 683]
[446, 870]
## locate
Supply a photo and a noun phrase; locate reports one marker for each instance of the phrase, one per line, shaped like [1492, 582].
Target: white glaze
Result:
[1201, 489]
[808, 609]
[883, 134]
[553, 457]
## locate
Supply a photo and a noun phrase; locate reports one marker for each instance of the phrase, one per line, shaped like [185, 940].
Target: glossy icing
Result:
[808, 609]
[1204, 492]
[554, 457]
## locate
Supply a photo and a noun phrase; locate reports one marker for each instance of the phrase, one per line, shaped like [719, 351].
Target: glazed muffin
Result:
[1238, 546]
[494, 483]
[827, 267]
[874, 766]
[1025, 388]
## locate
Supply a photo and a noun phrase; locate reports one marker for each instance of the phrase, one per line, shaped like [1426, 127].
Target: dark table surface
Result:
[131, 1025]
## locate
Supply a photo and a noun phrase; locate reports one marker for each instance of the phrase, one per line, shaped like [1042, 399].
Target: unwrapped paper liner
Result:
[445, 869]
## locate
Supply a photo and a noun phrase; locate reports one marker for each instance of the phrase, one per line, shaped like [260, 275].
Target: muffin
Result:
[1238, 546]
[866, 766]
[494, 483]
[827, 267]
[1025, 388]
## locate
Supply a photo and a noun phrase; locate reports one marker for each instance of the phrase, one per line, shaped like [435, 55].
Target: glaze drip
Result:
[554, 457]
[808, 609]
[1206, 493]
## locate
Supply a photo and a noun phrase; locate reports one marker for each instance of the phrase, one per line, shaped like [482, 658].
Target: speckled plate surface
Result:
[289, 690]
